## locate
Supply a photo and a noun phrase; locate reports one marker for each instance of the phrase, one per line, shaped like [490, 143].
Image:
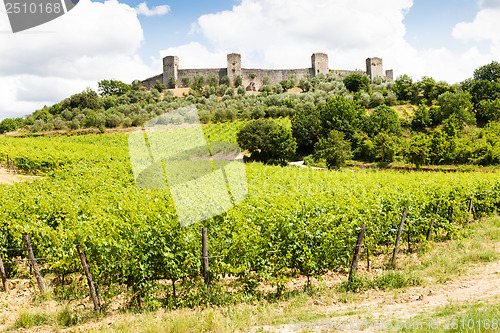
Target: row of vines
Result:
[294, 220]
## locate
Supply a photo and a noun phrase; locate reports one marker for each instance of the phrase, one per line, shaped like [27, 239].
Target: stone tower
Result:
[170, 69]
[233, 67]
[319, 63]
[374, 68]
[389, 75]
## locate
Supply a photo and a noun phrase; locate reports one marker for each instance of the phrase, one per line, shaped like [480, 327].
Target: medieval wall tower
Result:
[233, 67]
[170, 69]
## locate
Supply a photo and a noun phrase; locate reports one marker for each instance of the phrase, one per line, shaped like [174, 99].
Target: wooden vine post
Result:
[204, 256]
[32, 260]
[3, 275]
[86, 269]
[470, 208]
[398, 237]
[357, 251]
[431, 225]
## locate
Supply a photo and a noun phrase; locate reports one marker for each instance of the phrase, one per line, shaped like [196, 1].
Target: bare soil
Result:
[10, 177]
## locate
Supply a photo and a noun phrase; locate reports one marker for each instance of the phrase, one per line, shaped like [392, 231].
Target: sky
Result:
[126, 40]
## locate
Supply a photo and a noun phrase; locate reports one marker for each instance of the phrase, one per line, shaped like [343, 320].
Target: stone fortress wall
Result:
[252, 78]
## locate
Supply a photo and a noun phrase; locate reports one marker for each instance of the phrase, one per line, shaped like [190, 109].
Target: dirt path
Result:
[9, 177]
[481, 283]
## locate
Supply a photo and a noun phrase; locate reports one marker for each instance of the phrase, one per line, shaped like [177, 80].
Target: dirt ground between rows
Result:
[10, 177]
[480, 283]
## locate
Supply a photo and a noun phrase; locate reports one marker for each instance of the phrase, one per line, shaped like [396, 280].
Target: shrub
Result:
[160, 87]
[357, 82]
[238, 81]
[266, 140]
[171, 82]
[225, 80]
[334, 149]
[457, 104]
[383, 119]
[377, 99]
[391, 98]
[421, 117]
[241, 90]
[185, 81]
[266, 80]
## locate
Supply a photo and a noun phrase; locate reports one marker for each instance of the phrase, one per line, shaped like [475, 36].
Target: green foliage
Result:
[487, 111]
[10, 125]
[292, 219]
[405, 89]
[417, 151]
[185, 81]
[343, 115]
[241, 90]
[383, 119]
[171, 82]
[266, 140]
[490, 72]
[112, 88]
[198, 83]
[225, 80]
[160, 86]
[266, 80]
[238, 81]
[384, 146]
[86, 99]
[458, 105]
[421, 118]
[357, 82]
[484, 90]
[306, 129]
[334, 149]
[430, 89]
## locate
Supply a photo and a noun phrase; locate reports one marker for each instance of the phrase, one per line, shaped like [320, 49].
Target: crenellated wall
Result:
[252, 78]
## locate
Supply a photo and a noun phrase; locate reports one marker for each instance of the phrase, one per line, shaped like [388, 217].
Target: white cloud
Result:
[43, 65]
[143, 9]
[484, 27]
[489, 3]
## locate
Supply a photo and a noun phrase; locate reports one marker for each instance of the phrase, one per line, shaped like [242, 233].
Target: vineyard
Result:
[293, 222]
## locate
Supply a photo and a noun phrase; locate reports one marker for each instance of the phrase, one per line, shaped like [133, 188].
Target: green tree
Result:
[384, 147]
[171, 82]
[8, 125]
[457, 104]
[238, 81]
[185, 81]
[341, 114]
[334, 149]
[421, 118]
[266, 140]
[429, 90]
[86, 99]
[225, 80]
[490, 72]
[112, 88]
[418, 150]
[357, 82]
[306, 129]
[405, 89]
[484, 90]
[488, 110]
[383, 119]
[160, 86]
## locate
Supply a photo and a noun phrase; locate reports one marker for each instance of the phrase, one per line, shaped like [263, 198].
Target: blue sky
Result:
[126, 39]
